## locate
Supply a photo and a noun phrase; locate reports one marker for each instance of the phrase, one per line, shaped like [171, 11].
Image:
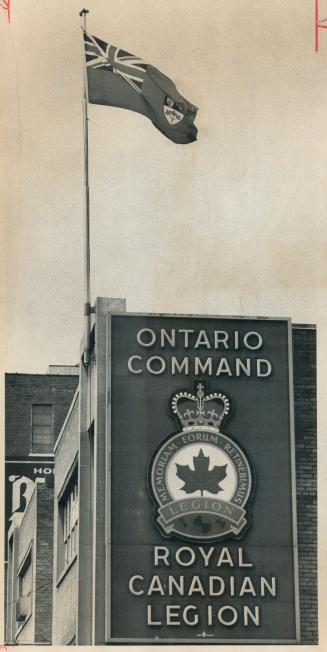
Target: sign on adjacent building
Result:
[20, 479]
[202, 515]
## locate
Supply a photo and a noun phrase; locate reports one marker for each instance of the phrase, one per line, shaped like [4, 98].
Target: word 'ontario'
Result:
[201, 586]
[199, 341]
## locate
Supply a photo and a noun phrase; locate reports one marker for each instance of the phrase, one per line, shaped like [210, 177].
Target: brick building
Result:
[304, 361]
[35, 409]
[66, 508]
[30, 570]
[86, 500]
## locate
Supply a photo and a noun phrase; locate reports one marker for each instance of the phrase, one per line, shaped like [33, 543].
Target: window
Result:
[25, 581]
[42, 428]
[69, 509]
[67, 522]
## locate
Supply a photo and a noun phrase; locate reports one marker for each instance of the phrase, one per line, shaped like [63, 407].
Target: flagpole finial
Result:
[82, 14]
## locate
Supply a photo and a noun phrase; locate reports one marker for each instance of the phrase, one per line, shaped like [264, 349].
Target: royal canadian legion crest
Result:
[200, 478]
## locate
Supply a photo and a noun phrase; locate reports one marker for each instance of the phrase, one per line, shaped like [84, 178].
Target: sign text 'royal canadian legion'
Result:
[212, 586]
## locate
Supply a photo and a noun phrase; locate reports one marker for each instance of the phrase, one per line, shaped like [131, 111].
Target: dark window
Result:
[25, 583]
[70, 522]
[67, 546]
[42, 428]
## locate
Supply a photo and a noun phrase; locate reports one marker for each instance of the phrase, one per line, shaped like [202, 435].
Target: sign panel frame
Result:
[108, 530]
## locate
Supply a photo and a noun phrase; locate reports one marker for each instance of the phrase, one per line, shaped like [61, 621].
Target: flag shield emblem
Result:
[173, 111]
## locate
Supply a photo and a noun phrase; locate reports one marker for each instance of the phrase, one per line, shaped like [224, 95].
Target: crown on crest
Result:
[200, 409]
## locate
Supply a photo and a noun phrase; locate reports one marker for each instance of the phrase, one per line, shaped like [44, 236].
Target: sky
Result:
[232, 224]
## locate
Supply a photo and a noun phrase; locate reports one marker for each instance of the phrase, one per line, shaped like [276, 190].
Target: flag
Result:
[117, 78]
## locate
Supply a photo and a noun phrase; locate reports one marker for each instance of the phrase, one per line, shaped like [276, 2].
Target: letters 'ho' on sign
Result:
[201, 515]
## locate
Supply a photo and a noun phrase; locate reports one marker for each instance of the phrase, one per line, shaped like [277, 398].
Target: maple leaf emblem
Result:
[201, 479]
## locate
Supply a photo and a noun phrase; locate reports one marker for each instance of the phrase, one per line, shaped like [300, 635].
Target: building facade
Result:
[36, 407]
[66, 535]
[30, 570]
[128, 567]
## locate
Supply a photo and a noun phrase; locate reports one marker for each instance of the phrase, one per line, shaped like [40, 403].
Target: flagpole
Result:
[87, 283]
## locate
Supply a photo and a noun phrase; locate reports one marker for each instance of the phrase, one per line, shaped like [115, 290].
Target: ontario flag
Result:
[117, 78]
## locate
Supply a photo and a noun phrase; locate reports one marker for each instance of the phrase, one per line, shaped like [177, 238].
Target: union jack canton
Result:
[100, 54]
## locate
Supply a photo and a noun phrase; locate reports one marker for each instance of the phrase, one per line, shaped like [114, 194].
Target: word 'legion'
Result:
[201, 340]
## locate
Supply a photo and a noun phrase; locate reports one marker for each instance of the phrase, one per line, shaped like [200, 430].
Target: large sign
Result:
[202, 530]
